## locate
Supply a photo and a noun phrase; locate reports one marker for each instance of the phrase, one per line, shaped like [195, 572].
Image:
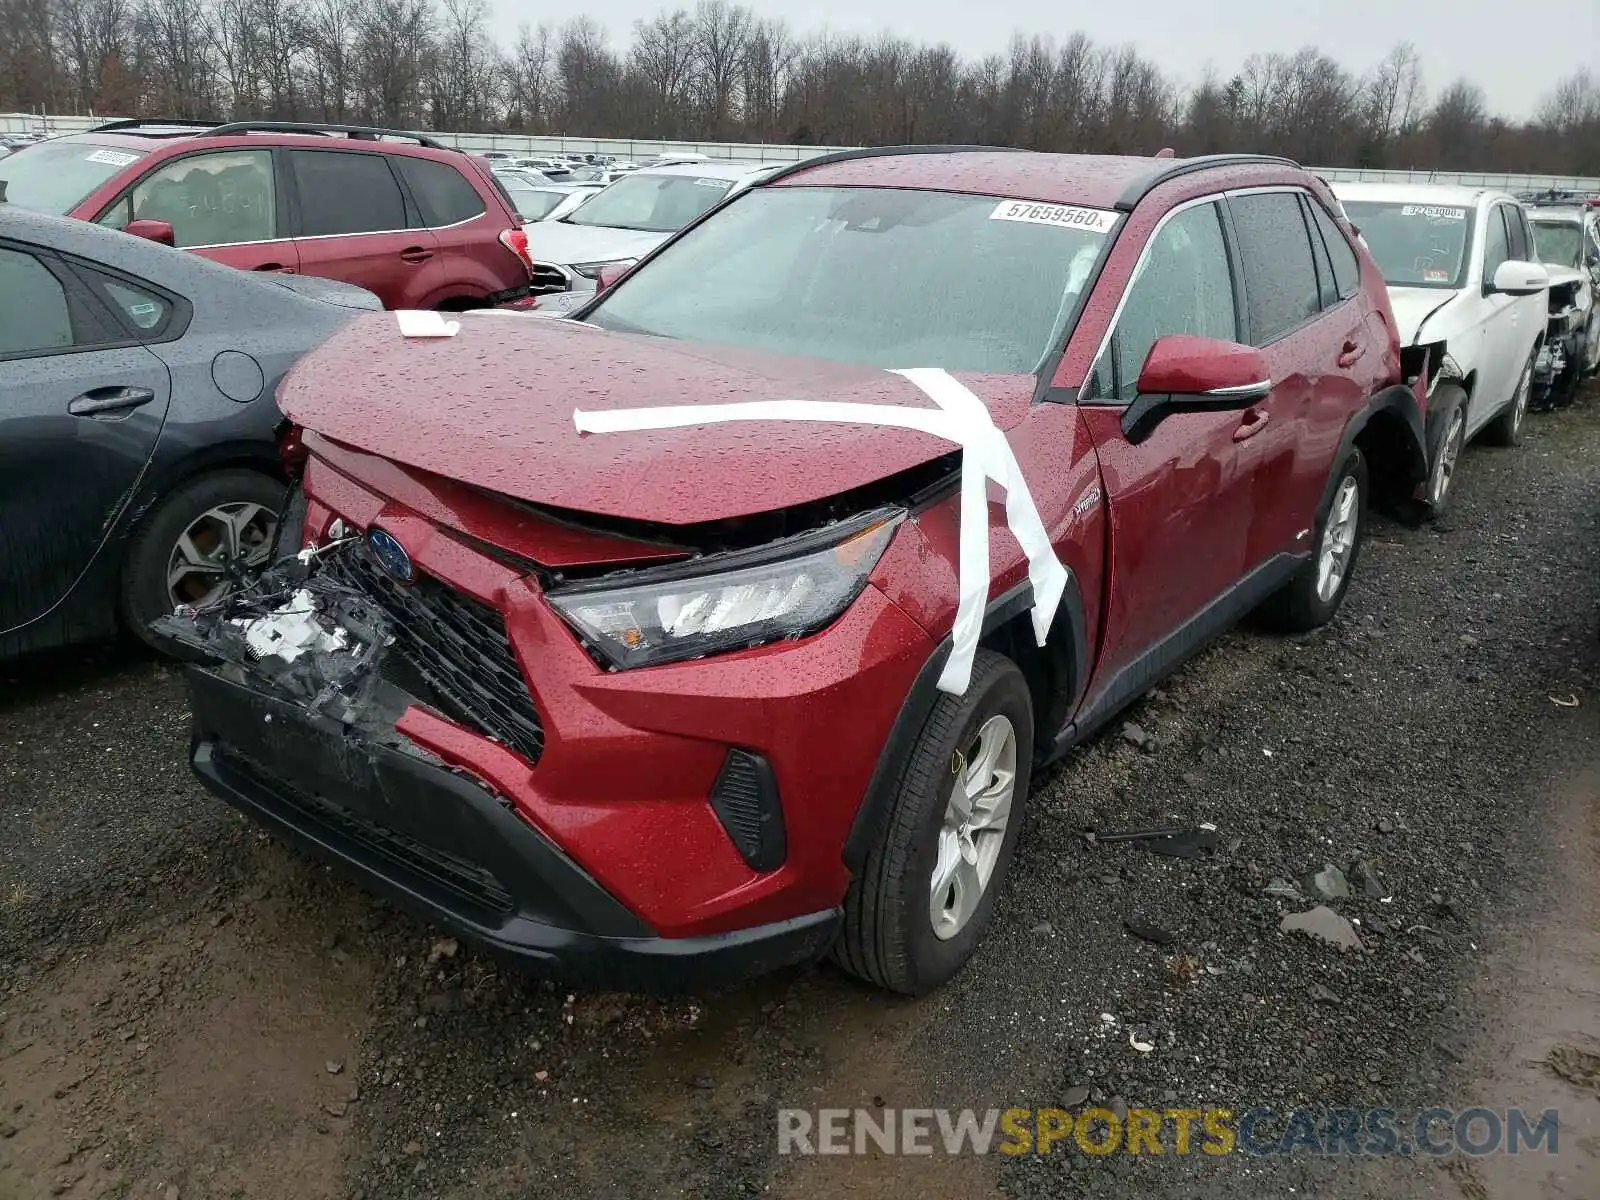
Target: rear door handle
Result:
[1253, 423]
[415, 254]
[278, 267]
[1351, 353]
[109, 401]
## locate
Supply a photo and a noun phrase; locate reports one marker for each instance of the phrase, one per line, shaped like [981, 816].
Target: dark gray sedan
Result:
[139, 443]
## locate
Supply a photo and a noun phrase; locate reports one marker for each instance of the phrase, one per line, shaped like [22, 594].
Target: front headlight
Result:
[591, 270]
[785, 589]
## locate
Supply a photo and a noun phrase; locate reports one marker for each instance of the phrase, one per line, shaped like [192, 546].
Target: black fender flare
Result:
[1068, 637]
[1402, 404]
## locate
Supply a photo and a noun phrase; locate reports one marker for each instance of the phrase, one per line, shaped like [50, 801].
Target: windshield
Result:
[652, 203]
[1558, 242]
[1414, 245]
[531, 202]
[884, 277]
[54, 177]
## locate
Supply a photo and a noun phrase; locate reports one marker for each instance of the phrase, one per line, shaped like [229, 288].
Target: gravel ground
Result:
[189, 1009]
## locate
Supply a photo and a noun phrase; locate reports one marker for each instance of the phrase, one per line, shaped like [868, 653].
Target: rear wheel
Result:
[211, 535]
[1314, 593]
[924, 897]
[1506, 429]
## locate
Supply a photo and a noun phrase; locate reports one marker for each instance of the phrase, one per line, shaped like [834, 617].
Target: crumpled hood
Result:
[493, 407]
[1413, 306]
[559, 242]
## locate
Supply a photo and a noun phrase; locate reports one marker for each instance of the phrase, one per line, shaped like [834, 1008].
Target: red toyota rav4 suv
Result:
[695, 694]
[419, 224]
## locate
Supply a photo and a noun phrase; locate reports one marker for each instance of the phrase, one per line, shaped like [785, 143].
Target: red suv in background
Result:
[417, 223]
[674, 705]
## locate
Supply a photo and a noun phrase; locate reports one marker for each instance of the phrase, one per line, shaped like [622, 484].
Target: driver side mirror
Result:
[610, 273]
[1184, 373]
[1516, 278]
[152, 231]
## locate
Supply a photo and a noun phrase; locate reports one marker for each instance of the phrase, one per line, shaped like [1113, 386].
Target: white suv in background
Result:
[630, 218]
[1566, 233]
[1465, 287]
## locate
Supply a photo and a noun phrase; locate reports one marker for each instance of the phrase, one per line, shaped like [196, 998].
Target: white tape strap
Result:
[961, 418]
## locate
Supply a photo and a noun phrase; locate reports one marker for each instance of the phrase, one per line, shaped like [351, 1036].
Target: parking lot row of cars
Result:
[751, 671]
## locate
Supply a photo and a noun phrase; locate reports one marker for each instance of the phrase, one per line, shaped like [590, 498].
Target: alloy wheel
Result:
[1519, 407]
[1444, 470]
[974, 826]
[1338, 539]
[222, 549]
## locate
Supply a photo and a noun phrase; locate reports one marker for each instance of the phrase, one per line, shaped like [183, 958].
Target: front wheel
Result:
[1314, 592]
[923, 898]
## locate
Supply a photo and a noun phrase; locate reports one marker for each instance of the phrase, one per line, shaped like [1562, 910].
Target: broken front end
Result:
[425, 716]
[1559, 363]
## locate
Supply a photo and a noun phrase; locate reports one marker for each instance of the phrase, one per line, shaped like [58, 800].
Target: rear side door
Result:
[471, 260]
[1316, 343]
[1179, 505]
[82, 402]
[226, 205]
[352, 223]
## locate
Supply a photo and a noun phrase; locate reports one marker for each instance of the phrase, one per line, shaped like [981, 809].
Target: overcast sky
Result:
[1475, 38]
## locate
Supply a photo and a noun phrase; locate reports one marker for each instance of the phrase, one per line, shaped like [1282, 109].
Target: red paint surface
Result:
[493, 407]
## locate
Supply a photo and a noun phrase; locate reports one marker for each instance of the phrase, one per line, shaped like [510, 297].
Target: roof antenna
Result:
[1166, 152]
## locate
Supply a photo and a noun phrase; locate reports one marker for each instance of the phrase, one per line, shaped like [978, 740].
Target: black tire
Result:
[888, 937]
[1450, 425]
[144, 574]
[1506, 429]
[1297, 607]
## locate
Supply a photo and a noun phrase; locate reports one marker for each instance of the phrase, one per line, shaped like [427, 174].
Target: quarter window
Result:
[1280, 277]
[209, 199]
[1346, 268]
[1184, 285]
[342, 193]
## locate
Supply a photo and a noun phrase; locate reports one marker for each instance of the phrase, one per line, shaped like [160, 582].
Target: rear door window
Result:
[1280, 275]
[441, 193]
[34, 317]
[216, 199]
[344, 193]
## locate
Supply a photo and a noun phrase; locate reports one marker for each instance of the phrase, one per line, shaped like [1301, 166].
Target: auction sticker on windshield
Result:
[1095, 220]
[1433, 212]
[115, 158]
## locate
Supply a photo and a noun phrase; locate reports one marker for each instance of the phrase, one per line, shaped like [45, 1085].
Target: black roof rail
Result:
[180, 126]
[836, 156]
[1170, 169]
[363, 133]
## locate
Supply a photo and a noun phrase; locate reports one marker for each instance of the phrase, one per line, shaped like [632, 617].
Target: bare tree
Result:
[723, 35]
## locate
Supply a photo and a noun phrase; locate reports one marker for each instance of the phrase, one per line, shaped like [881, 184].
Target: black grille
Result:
[456, 647]
[427, 864]
[547, 279]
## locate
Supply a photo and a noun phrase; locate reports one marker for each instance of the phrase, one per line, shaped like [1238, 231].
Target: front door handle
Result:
[109, 401]
[1253, 423]
[415, 254]
[271, 266]
[1350, 353]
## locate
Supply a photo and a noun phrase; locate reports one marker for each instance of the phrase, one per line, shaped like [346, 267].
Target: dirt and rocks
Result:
[1400, 911]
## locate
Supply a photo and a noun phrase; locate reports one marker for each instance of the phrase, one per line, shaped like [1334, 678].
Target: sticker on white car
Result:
[1433, 212]
[1067, 216]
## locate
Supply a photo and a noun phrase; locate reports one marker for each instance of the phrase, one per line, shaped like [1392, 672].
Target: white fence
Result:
[637, 150]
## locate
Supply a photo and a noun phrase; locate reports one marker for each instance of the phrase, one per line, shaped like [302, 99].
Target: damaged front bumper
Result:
[294, 725]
